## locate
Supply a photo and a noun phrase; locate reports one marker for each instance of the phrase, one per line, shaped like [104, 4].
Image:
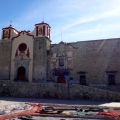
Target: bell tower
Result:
[42, 30]
[9, 32]
[6, 33]
[40, 51]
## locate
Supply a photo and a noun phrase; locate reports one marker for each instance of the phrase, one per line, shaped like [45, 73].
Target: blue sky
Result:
[79, 20]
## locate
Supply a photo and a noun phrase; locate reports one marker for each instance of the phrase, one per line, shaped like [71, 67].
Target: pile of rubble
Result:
[14, 108]
[29, 111]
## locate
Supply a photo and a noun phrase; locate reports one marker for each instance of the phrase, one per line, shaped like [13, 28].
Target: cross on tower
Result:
[11, 23]
[43, 20]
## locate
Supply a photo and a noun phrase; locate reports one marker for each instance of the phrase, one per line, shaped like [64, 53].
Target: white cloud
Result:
[99, 32]
[69, 14]
[96, 17]
[68, 8]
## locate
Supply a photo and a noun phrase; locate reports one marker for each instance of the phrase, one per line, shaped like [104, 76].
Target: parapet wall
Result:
[57, 91]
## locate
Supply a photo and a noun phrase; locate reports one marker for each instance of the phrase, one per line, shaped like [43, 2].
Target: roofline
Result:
[88, 41]
[10, 27]
[27, 33]
[42, 23]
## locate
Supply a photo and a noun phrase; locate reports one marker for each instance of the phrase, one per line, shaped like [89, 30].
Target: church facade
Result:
[30, 57]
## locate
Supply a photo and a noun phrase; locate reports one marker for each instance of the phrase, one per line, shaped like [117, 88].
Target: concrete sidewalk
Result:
[11, 100]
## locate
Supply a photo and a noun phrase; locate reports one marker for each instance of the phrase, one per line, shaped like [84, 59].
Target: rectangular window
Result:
[111, 79]
[82, 79]
[61, 61]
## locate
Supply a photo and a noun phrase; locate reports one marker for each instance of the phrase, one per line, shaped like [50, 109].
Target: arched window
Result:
[6, 34]
[40, 31]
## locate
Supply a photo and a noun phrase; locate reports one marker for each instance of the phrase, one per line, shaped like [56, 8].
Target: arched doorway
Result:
[21, 73]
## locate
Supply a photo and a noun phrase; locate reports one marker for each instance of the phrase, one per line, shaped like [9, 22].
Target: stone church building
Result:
[30, 57]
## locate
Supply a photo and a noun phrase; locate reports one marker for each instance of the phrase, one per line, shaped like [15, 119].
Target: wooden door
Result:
[21, 73]
[61, 79]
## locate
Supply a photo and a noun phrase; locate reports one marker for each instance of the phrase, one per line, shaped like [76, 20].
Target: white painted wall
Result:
[28, 40]
[13, 33]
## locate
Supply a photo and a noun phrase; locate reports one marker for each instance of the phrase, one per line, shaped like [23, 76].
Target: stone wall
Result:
[39, 59]
[96, 58]
[5, 59]
[65, 51]
[115, 88]
[58, 91]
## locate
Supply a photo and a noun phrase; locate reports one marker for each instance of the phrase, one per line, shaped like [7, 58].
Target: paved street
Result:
[10, 100]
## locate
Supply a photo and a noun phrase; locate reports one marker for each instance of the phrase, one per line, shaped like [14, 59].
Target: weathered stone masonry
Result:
[5, 59]
[39, 59]
[29, 61]
[59, 91]
[95, 59]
